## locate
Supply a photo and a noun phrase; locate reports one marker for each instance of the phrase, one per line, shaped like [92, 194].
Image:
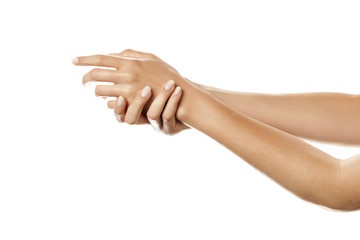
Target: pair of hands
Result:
[141, 94]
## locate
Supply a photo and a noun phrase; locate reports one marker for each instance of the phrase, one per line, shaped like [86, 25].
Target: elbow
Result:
[345, 196]
[344, 205]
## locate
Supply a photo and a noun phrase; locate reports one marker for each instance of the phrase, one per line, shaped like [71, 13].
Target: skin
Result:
[299, 167]
[327, 117]
[161, 114]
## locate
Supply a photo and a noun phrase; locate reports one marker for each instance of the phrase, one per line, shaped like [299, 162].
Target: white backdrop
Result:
[69, 170]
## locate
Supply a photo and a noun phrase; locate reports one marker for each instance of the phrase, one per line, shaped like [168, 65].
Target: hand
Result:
[132, 71]
[161, 113]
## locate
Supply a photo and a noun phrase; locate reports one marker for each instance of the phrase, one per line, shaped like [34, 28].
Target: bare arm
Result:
[329, 117]
[301, 168]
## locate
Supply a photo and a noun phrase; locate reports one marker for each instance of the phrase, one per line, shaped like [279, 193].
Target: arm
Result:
[306, 171]
[330, 117]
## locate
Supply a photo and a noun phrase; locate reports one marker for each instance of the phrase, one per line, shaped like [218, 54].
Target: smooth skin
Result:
[299, 167]
[161, 113]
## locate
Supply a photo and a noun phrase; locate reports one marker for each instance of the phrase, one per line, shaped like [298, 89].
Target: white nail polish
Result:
[145, 92]
[120, 101]
[75, 61]
[169, 85]
[154, 124]
[118, 117]
[177, 90]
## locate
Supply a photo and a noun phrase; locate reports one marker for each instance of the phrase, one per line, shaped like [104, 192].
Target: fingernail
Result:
[75, 61]
[145, 92]
[177, 90]
[154, 124]
[169, 85]
[118, 117]
[120, 101]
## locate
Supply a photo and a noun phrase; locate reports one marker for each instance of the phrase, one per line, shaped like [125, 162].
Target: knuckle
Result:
[151, 55]
[127, 52]
[127, 92]
[166, 117]
[130, 121]
[131, 72]
[135, 65]
[128, 76]
[98, 58]
[94, 73]
[152, 115]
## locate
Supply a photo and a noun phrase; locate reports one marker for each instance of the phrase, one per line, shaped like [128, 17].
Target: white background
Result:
[69, 170]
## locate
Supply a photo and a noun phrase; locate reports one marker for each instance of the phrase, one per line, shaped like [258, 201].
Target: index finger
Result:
[99, 60]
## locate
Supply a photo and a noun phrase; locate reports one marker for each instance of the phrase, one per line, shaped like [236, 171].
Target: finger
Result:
[136, 54]
[120, 105]
[169, 126]
[157, 106]
[134, 110]
[169, 113]
[110, 91]
[142, 120]
[104, 75]
[100, 60]
[156, 124]
[119, 109]
[111, 104]
[120, 115]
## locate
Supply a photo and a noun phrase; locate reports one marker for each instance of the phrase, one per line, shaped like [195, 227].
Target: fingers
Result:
[119, 109]
[119, 106]
[111, 104]
[172, 105]
[168, 115]
[157, 106]
[100, 60]
[110, 91]
[165, 121]
[105, 75]
[133, 112]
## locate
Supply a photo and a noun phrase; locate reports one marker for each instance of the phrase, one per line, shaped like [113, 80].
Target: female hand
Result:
[162, 111]
[132, 71]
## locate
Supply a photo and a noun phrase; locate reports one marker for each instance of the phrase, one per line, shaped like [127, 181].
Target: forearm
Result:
[331, 117]
[306, 171]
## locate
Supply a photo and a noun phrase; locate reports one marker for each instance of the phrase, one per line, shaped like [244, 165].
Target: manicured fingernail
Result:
[169, 85]
[75, 61]
[177, 90]
[118, 117]
[154, 124]
[145, 92]
[120, 101]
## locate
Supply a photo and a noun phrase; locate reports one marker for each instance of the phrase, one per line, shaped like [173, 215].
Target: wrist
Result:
[193, 103]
